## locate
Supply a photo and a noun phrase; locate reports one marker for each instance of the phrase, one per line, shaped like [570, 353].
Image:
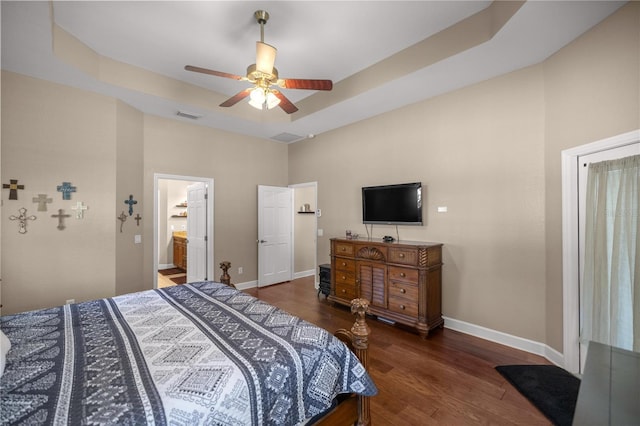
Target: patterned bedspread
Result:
[200, 353]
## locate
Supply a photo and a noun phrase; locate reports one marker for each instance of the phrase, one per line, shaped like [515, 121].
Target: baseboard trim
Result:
[516, 342]
[303, 274]
[246, 285]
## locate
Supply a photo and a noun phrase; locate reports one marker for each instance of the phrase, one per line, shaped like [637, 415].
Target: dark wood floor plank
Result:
[447, 379]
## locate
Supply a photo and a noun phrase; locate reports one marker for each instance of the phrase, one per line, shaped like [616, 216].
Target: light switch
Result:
[442, 209]
[137, 239]
[320, 232]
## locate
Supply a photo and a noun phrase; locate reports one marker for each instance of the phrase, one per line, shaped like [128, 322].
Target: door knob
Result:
[262, 241]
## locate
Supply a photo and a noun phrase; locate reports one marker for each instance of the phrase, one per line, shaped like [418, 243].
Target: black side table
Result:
[325, 279]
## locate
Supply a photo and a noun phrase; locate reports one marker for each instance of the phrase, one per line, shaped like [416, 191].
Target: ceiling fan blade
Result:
[236, 98]
[285, 103]
[296, 83]
[265, 57]
[212, 72]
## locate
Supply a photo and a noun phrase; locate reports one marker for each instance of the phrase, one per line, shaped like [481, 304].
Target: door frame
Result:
[571, 244]
[210, 217]
[315, 230]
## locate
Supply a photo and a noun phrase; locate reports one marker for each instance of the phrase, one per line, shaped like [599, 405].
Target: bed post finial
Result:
[225, 278]
[360, 338]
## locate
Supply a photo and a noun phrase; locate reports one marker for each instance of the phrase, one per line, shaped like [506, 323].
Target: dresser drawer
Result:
[403, 274]
[344, 249]
[346, 265]
[345, 277]
[345, 290]
[406, 256]
[403, 306]
[401, 290]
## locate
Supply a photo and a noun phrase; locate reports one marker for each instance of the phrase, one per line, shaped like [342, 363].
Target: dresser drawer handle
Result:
[401, 255]
[402, 307]
[344, 263]
[344, 278]
[402, 274]
[402, 290]
[344, 291]
[344, 249]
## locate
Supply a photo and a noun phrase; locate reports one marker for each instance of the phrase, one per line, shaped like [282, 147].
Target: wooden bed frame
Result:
[353, 409]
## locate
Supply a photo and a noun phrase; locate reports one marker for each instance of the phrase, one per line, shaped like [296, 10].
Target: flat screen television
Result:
[392, 204]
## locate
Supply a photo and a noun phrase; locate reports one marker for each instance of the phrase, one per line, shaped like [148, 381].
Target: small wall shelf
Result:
[306, 212]
[179, 215]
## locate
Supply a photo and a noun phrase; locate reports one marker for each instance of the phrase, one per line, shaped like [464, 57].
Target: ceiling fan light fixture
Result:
[272, 100]
[265, 57]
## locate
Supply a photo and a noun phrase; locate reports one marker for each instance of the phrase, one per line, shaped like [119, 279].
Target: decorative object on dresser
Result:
[401, 280]
[324, 285]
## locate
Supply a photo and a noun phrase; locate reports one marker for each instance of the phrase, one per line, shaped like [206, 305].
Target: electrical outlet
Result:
[240, 270]
[70, 301]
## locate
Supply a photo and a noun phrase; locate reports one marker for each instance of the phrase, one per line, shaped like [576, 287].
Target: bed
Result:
[199, 353]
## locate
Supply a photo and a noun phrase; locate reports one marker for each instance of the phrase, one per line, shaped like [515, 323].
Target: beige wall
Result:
[592, 91]
[491, 154]
[238, 164]
[129, 157]
[53, 133]
[50, 134]
[479, 152]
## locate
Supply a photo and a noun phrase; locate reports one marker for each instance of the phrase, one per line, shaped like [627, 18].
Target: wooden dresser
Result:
[401, 280]
[180, 249]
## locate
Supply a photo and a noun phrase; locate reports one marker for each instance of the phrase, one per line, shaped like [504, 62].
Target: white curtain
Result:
[610, 310]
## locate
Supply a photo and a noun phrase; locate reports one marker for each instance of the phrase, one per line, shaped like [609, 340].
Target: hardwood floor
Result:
[448, 379]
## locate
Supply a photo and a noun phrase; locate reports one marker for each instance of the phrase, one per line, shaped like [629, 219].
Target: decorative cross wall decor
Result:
[13, 189]
[131, 202]
[42, 201]
[122, 218]
[22, 224]
[66, 190]
[138, 218]
[61, 217]
[79, 208]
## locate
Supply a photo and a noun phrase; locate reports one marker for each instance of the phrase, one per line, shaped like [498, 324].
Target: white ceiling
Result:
[315, 39]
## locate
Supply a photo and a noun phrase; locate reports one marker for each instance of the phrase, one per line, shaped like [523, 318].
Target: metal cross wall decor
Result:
[61, 217]
[66, 190]
[42, 201]
[13, 188]
[138, 218]
[79, 208]
[122, 218]
[22, 224]
[131, 202]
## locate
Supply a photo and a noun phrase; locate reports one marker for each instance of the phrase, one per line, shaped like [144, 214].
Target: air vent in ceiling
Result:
[189, 115]
[287, 137]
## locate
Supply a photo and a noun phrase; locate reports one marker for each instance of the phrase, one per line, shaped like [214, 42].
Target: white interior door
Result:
[583, 162]
[275, 235]
[197, 255]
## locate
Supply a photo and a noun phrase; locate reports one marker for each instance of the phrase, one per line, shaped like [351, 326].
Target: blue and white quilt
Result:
[200, 353]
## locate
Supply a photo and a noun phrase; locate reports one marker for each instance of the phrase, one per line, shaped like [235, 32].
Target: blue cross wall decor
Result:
[131, 202]
[66, 190]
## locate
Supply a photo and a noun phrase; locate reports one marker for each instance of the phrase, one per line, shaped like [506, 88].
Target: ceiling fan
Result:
[263, 75]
